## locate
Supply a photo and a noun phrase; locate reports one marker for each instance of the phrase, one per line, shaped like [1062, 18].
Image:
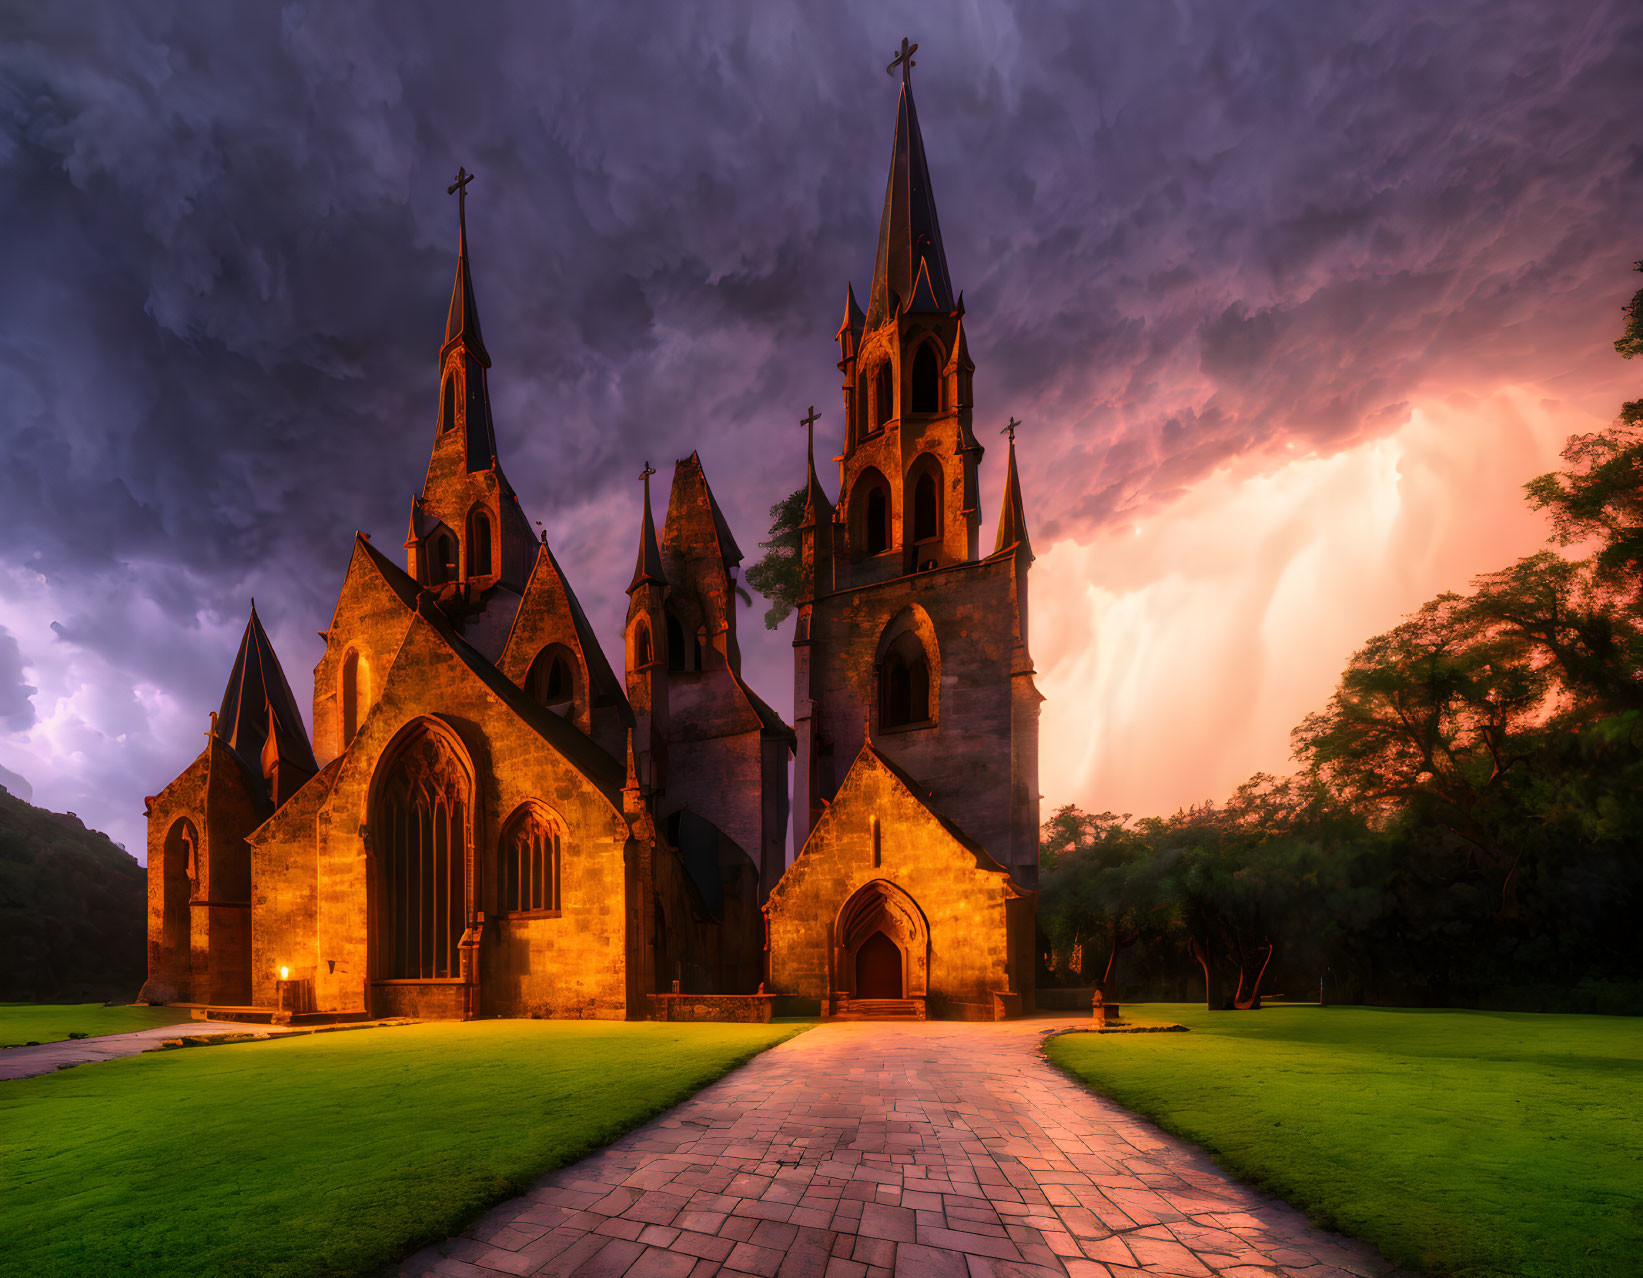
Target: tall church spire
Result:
[462, 320]
[649, 564]
[909, 234]
[1012, 520]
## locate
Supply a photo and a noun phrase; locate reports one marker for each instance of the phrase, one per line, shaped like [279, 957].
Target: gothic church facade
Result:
[490, 821]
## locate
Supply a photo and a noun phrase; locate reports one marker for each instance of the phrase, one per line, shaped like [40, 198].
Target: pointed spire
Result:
[1012, 521]
[462, 320]
[649, 565]
[817, 508]
[853, 318]
[909, 234]
[258, 706]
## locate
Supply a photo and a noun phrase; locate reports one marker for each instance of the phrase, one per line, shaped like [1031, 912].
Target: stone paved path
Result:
[933, 1148]
[26, 1062]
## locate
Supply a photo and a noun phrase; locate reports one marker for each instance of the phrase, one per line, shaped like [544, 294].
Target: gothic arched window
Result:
[531, 845]
[675, 643]
[442, 558]
[641, 647]
[926, 381]
[905, 684]
[551, 681]
[479, 544]
[926, 508]
[351, 694]
[447, 414]
[878, 522]
[884, 395]
[420, 840]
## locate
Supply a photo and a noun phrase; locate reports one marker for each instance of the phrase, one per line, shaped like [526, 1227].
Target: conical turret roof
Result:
[258, 704]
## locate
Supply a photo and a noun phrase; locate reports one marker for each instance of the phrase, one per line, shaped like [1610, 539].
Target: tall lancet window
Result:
[906, 686]
[884, 395]
[531, 843]
[479, 544]
[447, 403]
[442, 558]
[926, 508]
[420, 837]
[926, 381]
[352, 694]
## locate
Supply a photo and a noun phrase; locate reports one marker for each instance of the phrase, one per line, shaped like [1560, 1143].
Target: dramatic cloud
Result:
[1194, 239]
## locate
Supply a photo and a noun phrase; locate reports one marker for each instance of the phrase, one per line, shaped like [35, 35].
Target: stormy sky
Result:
[1292, 298]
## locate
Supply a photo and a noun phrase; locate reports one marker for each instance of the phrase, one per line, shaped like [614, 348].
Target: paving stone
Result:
[925, 1149]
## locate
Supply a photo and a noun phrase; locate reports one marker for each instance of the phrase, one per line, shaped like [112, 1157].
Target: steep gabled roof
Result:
[258, 703]
[579, 751]
[909, 234]
[690, 492]
[603, 686]
[396, 578]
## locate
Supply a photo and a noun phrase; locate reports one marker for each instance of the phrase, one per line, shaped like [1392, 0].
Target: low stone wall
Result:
[747, 1009]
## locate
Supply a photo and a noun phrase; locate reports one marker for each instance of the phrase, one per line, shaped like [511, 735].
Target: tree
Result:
[1438, 715]
[1600, 493]
[776, 575]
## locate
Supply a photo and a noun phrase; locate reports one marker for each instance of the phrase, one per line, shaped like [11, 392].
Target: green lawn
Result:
[1475, 1144]
[48, 1022]
[323, 1155]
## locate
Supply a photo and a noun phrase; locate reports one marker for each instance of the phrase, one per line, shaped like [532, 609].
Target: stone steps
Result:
[879, 1009]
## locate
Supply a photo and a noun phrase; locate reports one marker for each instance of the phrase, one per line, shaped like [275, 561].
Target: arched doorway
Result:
[881, 944]
[878, 968]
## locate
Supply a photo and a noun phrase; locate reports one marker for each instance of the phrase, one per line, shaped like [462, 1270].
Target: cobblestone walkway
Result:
[27, 1062]
[931, 1148]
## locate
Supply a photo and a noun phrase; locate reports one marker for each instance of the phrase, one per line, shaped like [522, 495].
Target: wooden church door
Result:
[878, 968]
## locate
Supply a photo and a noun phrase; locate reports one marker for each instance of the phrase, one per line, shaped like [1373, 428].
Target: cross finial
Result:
[904, 60]
[809, 424]
[459, 188]
[1010, 429]
[646, 473]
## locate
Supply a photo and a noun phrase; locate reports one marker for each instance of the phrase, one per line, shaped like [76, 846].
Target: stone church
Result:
[490, 821]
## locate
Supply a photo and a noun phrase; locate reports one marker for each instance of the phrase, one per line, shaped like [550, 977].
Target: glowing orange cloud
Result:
[1177, 652]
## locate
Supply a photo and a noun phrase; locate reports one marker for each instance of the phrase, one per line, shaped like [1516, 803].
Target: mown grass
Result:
[326, 1155]
[1471, 1144]
[51, 1022]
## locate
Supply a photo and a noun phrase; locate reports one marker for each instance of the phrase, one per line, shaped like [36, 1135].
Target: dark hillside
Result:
[72, 909]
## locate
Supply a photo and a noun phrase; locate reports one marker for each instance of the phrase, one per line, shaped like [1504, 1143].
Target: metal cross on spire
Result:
[809, 423]
[904, 60]
[645, 475]
[459, 188]
[1010, 429]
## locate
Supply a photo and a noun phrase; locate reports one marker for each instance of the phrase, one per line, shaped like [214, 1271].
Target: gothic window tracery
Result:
[422, 808]
[531, 849]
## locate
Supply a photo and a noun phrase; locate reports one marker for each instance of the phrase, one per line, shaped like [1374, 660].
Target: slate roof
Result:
[258, 701]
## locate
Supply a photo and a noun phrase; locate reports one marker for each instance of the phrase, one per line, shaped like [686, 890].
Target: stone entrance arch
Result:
[877, 913]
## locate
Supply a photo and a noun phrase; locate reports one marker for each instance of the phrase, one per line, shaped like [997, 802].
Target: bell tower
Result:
[905, 632]
[467, 533]
[908, 473]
